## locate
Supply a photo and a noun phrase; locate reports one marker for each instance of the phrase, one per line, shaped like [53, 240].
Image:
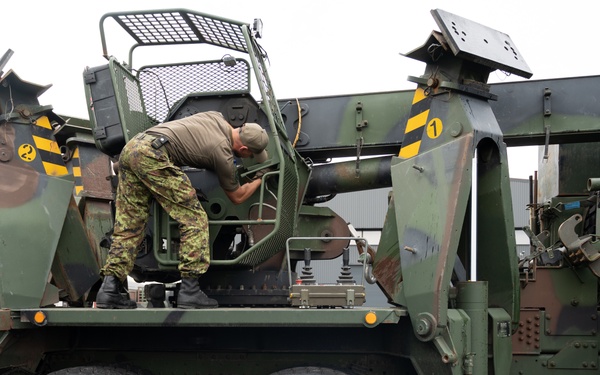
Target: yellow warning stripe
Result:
[54, 169]
[43, 122]
[416, 122]
[419, 95]
[410, 150]
[50, 146]
[77, 172]
[46, 144]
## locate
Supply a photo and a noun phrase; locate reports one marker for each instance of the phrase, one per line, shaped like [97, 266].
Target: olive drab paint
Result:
[441, 148]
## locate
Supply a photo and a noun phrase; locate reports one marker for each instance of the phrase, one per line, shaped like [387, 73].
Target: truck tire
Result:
[311, 370]
[96, 370]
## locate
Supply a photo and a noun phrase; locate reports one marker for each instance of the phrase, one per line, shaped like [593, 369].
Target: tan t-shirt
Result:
[202, 140]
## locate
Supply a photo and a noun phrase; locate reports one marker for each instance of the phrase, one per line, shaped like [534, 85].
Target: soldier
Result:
[150, 167]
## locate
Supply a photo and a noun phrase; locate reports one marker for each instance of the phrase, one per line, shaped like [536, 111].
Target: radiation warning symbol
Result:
[27, 152]
[434, 128]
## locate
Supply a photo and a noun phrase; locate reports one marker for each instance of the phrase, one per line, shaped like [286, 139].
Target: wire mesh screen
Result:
[131, 106]
[162, 86]
[179, 26]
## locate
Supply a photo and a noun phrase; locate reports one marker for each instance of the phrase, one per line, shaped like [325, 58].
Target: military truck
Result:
[461, 301]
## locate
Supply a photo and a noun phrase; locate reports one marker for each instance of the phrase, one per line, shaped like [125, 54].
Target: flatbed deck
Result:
[219, 317]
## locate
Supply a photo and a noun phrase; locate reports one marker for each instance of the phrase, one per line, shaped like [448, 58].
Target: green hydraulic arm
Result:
[452, 196]
[535, 112]
[451, 193]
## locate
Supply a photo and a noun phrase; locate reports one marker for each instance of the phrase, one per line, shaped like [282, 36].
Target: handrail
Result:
[258, 221]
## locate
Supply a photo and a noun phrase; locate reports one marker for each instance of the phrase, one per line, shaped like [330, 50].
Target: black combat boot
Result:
[110, 297]
[191, 297]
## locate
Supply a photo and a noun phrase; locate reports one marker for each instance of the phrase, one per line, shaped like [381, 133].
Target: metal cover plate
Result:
[481, 44]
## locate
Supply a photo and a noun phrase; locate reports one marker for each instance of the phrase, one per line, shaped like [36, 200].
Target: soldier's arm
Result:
[243, 192]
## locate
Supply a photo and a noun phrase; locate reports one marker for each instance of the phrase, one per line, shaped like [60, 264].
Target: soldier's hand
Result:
[261, 173]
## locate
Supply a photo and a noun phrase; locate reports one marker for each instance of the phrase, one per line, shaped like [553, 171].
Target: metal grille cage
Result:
[164, 85]
[288, 200]
[182, 26]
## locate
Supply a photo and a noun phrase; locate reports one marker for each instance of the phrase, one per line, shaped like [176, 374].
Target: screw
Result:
[410, 249]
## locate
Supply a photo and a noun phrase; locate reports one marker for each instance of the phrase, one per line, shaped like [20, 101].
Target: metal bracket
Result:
[361, 123]
[581, 250]
[547, 114]
[327, 295]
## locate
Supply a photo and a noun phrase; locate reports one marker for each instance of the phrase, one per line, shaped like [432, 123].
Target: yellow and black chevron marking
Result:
[77, 172]
[47, 147]
[419, 112]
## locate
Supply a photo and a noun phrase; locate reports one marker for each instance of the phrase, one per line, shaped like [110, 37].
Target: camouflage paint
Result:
[37, 197]
[560, 301]
[571, 116]
[449, 122]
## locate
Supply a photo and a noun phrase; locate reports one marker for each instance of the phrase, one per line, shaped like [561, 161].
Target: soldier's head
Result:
[253, 140]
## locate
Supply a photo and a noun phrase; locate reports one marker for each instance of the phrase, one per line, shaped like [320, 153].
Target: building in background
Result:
[366, 211]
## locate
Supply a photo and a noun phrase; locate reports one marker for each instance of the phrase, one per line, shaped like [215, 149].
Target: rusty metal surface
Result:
[526, 340]
[95, 172]
[6, 322]
[569, 308]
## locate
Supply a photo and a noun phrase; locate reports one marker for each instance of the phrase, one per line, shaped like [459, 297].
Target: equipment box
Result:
[115, 106]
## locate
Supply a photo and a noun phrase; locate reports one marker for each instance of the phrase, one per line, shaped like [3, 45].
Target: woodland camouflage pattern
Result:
[145, 172]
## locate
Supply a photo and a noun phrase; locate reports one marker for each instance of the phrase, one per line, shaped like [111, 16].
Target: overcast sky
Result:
[315, 47]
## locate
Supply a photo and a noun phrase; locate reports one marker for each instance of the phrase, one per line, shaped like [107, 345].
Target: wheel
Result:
[98, 370]
[310, 370]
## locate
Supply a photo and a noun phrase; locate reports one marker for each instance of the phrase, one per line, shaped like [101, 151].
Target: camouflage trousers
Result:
[145, 173]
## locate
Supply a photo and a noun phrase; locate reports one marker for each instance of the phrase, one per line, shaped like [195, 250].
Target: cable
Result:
[299, 124]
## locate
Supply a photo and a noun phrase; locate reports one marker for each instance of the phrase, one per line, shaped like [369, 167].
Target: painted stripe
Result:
[410, 150]
[419, 95]
[76, 163]
[417, 121]
[51, 157]
[413, 132]
[48, 148]
[55, 169]
[412, 137]
[43, 122]
[46, 144]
